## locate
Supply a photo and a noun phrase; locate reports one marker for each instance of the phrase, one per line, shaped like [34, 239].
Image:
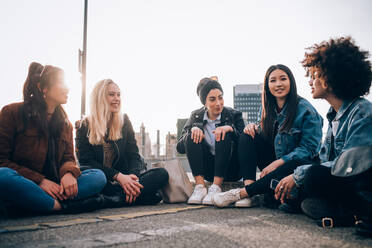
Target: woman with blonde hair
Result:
[105, 140]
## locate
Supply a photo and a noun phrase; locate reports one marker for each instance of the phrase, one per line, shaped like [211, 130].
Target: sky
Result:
[158, 50]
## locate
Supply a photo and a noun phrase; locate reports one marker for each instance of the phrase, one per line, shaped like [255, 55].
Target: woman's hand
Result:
[251, 129]
[51, 188]
[284, 188]
[197, 135]
[69, 187]
[271, 167]
[130, 185]
[220, 132]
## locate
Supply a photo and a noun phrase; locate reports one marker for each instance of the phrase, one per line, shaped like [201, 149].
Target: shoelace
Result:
[230, 195]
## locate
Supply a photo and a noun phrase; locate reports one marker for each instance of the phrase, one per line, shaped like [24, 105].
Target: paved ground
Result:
[175, 225]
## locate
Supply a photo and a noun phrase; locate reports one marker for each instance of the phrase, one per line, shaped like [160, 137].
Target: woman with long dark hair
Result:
[38, 169]
[288, 135]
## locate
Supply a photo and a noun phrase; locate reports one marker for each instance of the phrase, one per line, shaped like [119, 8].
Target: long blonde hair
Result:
[101, 120]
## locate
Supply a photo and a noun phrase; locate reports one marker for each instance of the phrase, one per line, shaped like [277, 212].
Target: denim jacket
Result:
[352, 127]
[302, 142]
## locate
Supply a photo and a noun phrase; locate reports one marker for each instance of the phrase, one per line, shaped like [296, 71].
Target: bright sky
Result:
[158, 50]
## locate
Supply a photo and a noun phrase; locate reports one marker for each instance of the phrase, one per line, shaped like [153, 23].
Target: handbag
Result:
[179, 187]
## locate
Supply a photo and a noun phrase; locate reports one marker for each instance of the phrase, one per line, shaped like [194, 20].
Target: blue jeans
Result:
[24, 193]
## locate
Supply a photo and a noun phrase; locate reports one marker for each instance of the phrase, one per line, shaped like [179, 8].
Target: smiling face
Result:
[57, 92]
[214, 103]
[279, 84]
[113, 97]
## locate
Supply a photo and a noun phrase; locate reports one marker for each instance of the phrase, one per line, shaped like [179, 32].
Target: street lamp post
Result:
[83, 61]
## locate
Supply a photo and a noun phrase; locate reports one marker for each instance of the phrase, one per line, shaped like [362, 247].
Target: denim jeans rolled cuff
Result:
[24, 193]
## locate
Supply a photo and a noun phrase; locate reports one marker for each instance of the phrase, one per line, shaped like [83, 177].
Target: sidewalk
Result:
[175, 225]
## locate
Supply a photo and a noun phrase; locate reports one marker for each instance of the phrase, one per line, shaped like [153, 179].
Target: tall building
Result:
[143, 142]
[247, 99]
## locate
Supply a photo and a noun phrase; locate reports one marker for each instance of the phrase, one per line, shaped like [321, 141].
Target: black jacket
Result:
[128, 160]
[229, 116]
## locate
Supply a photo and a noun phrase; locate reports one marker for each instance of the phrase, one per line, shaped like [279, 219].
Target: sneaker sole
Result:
[245, 206]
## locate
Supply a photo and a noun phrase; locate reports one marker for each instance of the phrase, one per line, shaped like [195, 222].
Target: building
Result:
[247, 99]
[143, 142]
[170, 145]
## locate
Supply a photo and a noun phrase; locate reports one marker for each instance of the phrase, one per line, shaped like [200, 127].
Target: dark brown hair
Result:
[343, 66]
[35, 108]
[269, 103]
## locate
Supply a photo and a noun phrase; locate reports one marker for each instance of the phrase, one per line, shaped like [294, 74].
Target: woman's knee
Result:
[7, 175]
[161, 174]
[226, 142]
[97, 176]
[190, 142]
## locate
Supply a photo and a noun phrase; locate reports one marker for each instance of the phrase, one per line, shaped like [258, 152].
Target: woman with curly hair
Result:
[287, 136]
[341, 74]
[38, 171]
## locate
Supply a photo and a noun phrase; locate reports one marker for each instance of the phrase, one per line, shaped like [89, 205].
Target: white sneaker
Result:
[197, 196]
[213, 189]
[226, 198]
[248, 202]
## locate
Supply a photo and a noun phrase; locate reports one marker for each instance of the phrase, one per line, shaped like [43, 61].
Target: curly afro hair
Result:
[343, 65]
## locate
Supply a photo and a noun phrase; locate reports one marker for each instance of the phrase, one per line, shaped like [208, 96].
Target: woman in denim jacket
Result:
[340, 73]
[288, 135]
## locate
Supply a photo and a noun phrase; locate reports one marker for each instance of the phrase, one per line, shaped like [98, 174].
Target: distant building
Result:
[247, 99]
[170, 145]
[143, 142]
[156, 146]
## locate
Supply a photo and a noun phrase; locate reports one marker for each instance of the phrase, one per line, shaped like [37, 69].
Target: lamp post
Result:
[83, 61]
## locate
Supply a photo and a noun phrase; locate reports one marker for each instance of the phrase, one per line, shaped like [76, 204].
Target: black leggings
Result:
[319, 182]
[258, 152]
[202, 163]
[152, 180]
